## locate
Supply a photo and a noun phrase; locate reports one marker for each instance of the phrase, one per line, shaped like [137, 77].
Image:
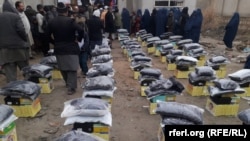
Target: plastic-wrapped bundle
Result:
[184, 41]
[176, 121]
[161, 42]
[164, 87]
[190, 46]
[194, 77]
[5, 112]
[37, 70]
[100, 51]
[101, 69]
[173, 54]
[151, 72]
[215, 91]
[145, 36]
[49, 61]
[123, 38]
[85, 107]
[137, 53]
[101, 59]
[244, 116]
[166, 35]
[99, 83]
[21, 88]
[225, 84]
[204, 71]
[216, 61]
[196, 52]
[175, 38]
[240, 76]
[76, 135]
[178, 110]
[185, 61]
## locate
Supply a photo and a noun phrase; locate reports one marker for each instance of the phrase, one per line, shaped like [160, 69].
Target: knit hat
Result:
[97, 13]
[61, 7]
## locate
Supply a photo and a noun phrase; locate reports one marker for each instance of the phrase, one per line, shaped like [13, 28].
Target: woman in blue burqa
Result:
[231, 31]
[126, 19]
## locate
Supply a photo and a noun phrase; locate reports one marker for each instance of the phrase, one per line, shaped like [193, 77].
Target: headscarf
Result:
[9, 7]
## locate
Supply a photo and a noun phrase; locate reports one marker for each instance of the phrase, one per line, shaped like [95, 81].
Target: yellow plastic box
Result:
[136, 75]
[222, 110]
[153, 102]
[181, 74]
[125, 51]
[221, 73]
[151, 49]
[9, 133]
[143, 90]
[104, 136]
[247, 92]
[201, 63]
[108, 99]
[157, 52]
[171, 66]
[27, 110]
[196, 90]
[144, 44]
[139, 39]
[56, 74]
[46, 85]
[163, 59]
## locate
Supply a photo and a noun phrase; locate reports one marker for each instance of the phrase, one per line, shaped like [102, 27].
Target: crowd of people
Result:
[25, 30]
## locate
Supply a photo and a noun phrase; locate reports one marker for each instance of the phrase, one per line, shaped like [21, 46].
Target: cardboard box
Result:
[223, 109]
[163, 59]
[153, 102]
[104, 136]
[136, 75]
[143, 90]
[27, 110]
[151, 49]
[181, 74]
[221, 73]
[9, 133]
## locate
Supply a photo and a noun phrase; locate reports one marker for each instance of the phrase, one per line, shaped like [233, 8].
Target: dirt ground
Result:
[131, 120]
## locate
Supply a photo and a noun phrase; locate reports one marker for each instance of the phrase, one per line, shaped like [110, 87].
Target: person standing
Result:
[95, 27]
[40, 17]
[65, 30]
[110, 24]
[118, 20]
[14, 48]
[20, 8]
[231, 31]
[170, 22]
[183, 20]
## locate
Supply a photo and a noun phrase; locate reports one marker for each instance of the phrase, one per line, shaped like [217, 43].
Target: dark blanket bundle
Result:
[189, 112]
[100, 51]
[142, 58]
[100, 69]
[99, 83]
[190, 46]
[76, 135]
[150, 72]
[37, 70]
[49, 61]
[21, 88]
[5, 112]
[164, 87]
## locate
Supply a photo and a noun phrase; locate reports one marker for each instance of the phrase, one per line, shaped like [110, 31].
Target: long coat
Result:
[109, 22]
[231, 30]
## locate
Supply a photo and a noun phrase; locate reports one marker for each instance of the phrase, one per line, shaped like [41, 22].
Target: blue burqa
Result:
[231, 30]
[126, 19]
[161, 20]
[145, 22]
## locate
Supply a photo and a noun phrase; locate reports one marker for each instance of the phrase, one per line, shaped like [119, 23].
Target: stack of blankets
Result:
[183, 63]
[216, 61]
[21, 89]
[165, 49]
[241, 76]
[244, 116]
[224, 87]
[175, 113]
[83, 110]
[140, 61]
[101, 69]
[173, 54]
[201, 75]
[150, 74]
[168, 87]
[36, 71]
[49, 61]
[76, 135]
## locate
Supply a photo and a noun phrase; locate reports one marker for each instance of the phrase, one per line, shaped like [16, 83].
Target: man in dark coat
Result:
[66, 49]
[95, 27]
[110, 24]
[14, 48]
[231, 31]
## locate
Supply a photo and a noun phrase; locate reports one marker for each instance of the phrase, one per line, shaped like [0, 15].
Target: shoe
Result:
[71, 91]
[229, 49]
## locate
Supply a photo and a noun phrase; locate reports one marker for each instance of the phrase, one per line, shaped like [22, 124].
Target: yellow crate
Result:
[181, 74]
[201, 63]
[136, 75]
[221, 73]
[196, 90]
[157, 52]
[139, 39]
[9, 133]
[56, 74]
[163, 59]
[247, 92]
[160, 134]
[171, 66]
[143, 90]
[144, 44]
[223, 67]
[104, 136]
[151, 49]
[46, 88]
[27, 110]
[152, 108]
[202, 58]
[222, 110]
[125, 51]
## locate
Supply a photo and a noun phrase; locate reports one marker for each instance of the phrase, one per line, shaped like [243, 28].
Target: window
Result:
[168, 2]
